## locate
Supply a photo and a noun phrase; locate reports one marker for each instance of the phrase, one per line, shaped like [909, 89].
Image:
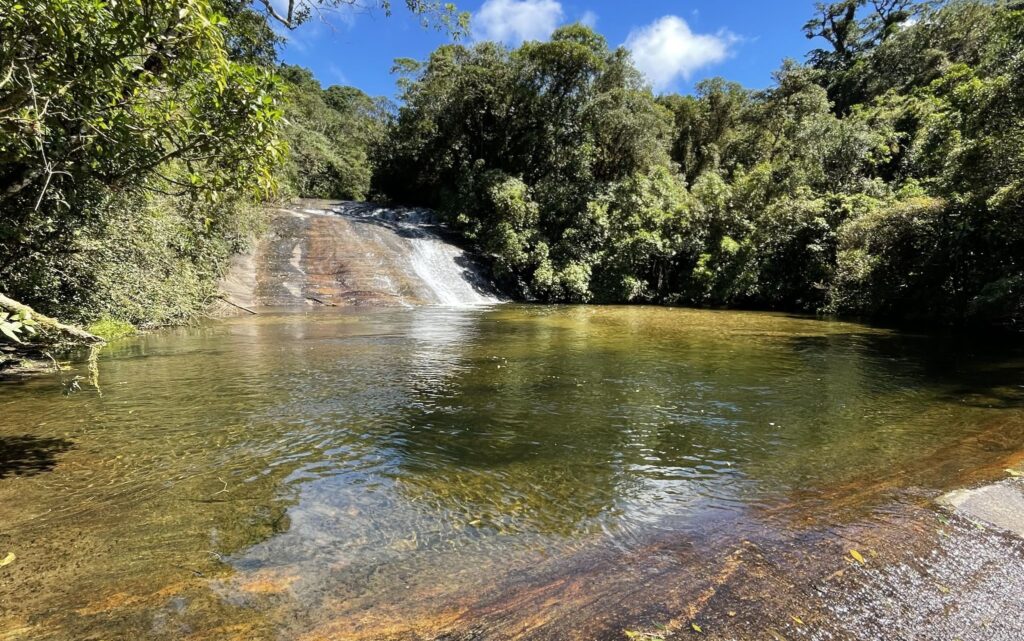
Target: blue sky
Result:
[675, 42]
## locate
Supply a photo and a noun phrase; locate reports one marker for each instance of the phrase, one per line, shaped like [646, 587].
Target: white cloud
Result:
[668, 49]
[514, 21]
[589, 19]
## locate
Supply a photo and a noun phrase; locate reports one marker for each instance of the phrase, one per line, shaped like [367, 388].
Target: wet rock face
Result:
[999, 504]
[959, 580]
[344, 254]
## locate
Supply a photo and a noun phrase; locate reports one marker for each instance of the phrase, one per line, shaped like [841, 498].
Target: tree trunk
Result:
[76, 334]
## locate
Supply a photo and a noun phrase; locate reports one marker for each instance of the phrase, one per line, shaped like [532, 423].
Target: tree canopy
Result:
[882, 178]
[330, 133]
[138, 139]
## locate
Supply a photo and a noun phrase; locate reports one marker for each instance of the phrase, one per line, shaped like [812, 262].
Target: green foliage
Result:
[143, 257]
[110, 329]
[127, 132]
[15, 327]
[883, 179]
[890, 255]
[706, 126]
[648, 224]
[136, 137]
[329, 134]
[106, 92]
[161, 268]
[517, 146]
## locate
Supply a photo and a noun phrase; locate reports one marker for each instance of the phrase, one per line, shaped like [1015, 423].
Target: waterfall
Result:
[445, 270]
[437, 263]
[349, 253]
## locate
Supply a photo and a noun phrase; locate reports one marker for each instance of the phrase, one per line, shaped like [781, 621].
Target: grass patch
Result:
[111, 329]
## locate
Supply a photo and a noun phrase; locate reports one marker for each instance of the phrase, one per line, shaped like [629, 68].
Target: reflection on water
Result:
[339, 475]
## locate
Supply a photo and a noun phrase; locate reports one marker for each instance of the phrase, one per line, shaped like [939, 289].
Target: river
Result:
[492, 471]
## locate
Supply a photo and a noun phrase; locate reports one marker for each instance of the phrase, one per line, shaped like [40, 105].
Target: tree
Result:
[515, 146]
[101, 94]
[837, 23]
[884, 178]
[117, 101]
[707, 126]
[854, 26]
[329, 133]
[137, 137]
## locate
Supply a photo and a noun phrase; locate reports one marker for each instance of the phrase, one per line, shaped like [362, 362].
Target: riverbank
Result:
[15, 363]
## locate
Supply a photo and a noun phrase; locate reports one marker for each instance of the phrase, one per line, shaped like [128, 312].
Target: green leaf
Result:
[9, 333]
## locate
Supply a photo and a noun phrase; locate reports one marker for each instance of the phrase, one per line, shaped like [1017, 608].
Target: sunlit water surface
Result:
[343, 474]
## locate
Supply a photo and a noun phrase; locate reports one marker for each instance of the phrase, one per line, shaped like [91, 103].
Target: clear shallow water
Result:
[374, 474]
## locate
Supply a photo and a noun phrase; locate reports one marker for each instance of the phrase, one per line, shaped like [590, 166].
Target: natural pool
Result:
[545, 472]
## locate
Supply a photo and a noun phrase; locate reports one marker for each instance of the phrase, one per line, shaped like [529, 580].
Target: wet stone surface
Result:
[962, 582]
[1000, 505]
[331, 253]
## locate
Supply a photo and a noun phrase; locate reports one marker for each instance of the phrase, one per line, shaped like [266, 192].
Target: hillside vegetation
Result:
[881, 179]
[139, 140]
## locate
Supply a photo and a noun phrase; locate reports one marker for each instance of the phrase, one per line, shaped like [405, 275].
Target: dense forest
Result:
[880, 178]
[883, 178]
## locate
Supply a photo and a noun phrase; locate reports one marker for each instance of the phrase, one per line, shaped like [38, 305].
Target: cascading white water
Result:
[444, 269]
[331, 254]
[436, 263]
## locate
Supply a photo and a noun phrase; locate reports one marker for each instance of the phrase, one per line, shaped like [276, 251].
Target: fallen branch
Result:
[317, 300]
[76, 334]
[244, 309]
